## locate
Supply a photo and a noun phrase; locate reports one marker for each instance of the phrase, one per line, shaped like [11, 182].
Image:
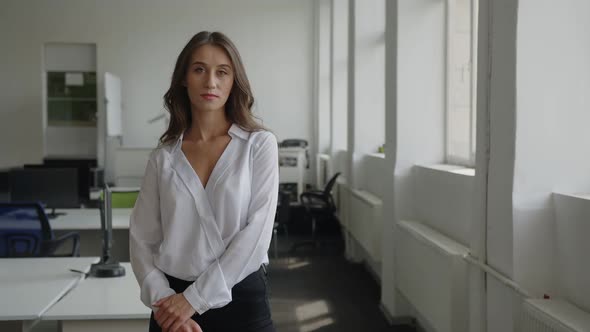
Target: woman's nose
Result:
[211, 83]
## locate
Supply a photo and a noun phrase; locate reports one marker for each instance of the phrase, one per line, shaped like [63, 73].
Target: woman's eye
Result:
[199, 69]
[222, 73]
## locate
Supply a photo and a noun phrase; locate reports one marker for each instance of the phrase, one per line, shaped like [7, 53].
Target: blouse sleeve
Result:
[249, 247]
[145, 235]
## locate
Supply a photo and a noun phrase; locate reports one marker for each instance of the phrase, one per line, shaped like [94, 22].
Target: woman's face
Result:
[209, 78]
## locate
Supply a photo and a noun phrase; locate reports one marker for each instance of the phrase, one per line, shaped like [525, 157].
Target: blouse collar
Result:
[235, 131]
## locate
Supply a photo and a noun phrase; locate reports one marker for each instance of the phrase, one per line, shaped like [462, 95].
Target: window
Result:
[71, 99]
[461, 81]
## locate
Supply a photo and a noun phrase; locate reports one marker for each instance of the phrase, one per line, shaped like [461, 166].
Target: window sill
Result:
[461, 170]
[585, 197]
[377, 155]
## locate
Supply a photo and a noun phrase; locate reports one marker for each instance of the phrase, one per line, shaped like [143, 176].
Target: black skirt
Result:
[249, 310]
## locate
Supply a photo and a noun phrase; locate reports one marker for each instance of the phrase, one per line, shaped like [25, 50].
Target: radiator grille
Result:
[552, 316]
[432, 275]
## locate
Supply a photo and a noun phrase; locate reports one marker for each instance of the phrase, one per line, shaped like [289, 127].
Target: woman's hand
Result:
[173, 312]
[190, 326]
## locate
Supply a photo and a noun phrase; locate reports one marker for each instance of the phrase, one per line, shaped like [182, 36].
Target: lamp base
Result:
[109, 269]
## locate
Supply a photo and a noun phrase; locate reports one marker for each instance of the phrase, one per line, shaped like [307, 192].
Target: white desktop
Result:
[102, 304]
[30, 286]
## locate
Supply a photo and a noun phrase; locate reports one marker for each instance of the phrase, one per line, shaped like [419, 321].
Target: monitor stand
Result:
[53, 214]
[107, 268]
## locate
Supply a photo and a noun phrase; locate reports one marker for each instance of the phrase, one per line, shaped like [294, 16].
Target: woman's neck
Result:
[208, 125]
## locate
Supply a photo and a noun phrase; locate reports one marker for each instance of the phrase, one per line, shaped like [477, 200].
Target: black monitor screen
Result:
[54, 187]
[4, 185]
[83, 178]
[82, 165]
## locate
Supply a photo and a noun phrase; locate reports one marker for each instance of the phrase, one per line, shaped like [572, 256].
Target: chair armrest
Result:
[313, 194]
[307, 198]
[315, 191]
[326, 201]
[50, 246]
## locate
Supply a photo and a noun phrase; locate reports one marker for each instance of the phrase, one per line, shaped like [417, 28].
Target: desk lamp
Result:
[108, 267]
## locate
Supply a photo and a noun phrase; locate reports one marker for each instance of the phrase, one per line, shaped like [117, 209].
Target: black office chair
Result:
[281, 219]
[319, 206]
[327, 192]
[25, 232]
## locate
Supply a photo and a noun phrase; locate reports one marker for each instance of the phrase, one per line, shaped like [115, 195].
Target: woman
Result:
[202, 224]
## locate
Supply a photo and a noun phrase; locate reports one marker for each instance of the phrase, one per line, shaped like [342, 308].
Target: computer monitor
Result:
[84, 166]
[4, 185]
[83, 176]
[54, 187]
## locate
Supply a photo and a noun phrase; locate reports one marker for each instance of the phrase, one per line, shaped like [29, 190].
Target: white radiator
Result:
[360, 214]
[365, 222]
[432, 275]
[552, 316]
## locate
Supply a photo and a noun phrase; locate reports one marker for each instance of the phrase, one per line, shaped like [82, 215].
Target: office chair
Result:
[25, 232]
[281, 219]
[122, 199]
[319, 206]
[327, 192]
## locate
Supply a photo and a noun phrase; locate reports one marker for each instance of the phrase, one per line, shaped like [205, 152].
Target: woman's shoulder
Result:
[262, 137]
[161, 152]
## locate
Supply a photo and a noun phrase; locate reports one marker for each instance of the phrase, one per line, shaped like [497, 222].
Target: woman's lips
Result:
[208, 96]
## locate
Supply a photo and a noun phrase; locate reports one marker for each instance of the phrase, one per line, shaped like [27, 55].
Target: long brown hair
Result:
[238, 107]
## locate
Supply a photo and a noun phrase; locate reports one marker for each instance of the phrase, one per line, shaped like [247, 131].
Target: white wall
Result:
[323, 126]
[414, 118]
[369, 89]
[375, 167]
[552, 136]
[139, 41]
[71, 141]
[366, 109]
[501, 109]
[572, 213]
[339, 71]
[388, 282]
[420, 95]
[444, 200]
[420, 92]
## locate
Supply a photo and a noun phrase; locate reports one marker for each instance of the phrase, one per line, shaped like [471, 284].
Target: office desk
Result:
[30, 286]
[106, 304]
[88, 219]
[87, 223]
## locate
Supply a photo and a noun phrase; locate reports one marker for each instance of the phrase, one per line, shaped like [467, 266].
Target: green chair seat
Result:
[122, 199]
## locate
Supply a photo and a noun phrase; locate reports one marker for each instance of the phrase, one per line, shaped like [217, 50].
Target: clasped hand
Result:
[174, 314]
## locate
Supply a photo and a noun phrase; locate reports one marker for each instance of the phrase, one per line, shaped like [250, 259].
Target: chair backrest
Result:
[23, 228]
[330, 184]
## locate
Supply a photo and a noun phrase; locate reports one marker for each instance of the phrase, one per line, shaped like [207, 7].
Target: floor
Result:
[317, 289]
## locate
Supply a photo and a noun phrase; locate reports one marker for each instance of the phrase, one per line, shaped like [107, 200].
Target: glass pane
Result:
[71, 104]
[460, 130]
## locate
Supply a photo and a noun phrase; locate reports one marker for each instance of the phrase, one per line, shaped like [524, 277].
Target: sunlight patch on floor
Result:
[311, 310]
[316, 325]
[298, 265]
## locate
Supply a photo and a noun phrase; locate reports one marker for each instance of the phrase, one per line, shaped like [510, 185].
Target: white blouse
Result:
[214, 235]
